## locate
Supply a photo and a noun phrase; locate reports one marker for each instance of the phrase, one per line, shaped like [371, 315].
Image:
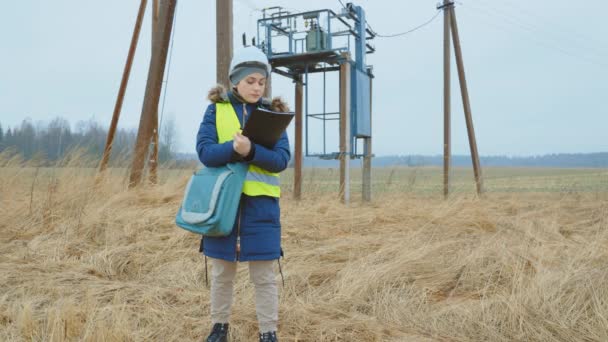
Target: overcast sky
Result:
[536, 70]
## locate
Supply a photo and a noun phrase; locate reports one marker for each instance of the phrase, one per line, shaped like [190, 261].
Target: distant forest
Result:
[592, 160]
[52, 141]
[582, 160]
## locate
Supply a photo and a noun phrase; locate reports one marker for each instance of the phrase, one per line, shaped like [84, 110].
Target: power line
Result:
[396, 34]
[406, 32]
[250, 5]
[554, 25]
[557, 36]
[503, 25]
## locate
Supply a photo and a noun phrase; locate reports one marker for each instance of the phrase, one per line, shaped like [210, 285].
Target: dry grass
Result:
[109, 265]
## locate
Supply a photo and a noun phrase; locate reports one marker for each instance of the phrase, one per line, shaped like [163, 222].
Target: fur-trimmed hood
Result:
[219, 94]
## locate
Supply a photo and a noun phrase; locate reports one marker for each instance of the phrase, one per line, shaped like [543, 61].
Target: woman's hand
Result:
[241, 144]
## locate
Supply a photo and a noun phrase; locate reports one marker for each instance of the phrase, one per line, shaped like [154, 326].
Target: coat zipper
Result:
[244, 115]
[238, 226]
[238, 234]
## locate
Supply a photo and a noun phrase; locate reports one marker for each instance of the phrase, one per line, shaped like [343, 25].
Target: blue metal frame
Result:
[306, 105]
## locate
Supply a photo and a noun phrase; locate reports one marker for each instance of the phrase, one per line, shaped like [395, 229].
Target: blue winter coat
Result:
[259, 216]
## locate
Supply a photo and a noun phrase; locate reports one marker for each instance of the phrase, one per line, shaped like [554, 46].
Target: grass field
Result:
[526, 262]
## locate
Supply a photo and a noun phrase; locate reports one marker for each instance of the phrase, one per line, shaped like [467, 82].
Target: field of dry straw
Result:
[80, 264]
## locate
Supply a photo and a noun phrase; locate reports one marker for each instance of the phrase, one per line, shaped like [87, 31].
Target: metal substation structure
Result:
[324, 44]
[314, 49]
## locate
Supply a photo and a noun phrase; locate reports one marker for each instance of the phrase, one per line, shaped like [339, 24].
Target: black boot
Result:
[219, 333]
[269, 337]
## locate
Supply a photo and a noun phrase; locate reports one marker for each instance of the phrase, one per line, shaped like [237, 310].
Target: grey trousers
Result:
[266, 292]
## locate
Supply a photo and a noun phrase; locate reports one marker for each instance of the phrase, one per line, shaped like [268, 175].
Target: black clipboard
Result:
[265, 126]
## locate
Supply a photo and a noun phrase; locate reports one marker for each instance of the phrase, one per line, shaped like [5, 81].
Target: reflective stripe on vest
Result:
[258, 182]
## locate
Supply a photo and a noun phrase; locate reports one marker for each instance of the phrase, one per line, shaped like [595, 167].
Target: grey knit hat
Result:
[247, 61]
[246, 69]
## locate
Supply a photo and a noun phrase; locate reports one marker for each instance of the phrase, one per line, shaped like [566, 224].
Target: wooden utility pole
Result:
[156, 40]
[153, 89]
[449, 24]
[155, 12]
[446, 100]
[465, 101]
[367, 157]
[345, 129]
[297, 170]
[223, 27]
[123, 87]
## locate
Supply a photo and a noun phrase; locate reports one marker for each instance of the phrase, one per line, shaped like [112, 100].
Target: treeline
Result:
[584, 160]
[592, 160]
[54, 140]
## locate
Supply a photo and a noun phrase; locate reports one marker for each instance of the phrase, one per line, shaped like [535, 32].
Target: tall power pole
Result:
[123, 87]
[345, 148]
[156, 40]
[450, 28]
[466, 103]
[297, 168]
[366, 176]
[147, 122]
[446, 101]
[223, 27]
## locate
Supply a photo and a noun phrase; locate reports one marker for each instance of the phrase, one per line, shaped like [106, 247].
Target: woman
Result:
[256, 235]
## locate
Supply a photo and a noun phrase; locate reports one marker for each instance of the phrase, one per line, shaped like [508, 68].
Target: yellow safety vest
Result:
[258, 182]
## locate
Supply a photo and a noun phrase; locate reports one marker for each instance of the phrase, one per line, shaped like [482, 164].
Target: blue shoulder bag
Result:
[211, 200]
